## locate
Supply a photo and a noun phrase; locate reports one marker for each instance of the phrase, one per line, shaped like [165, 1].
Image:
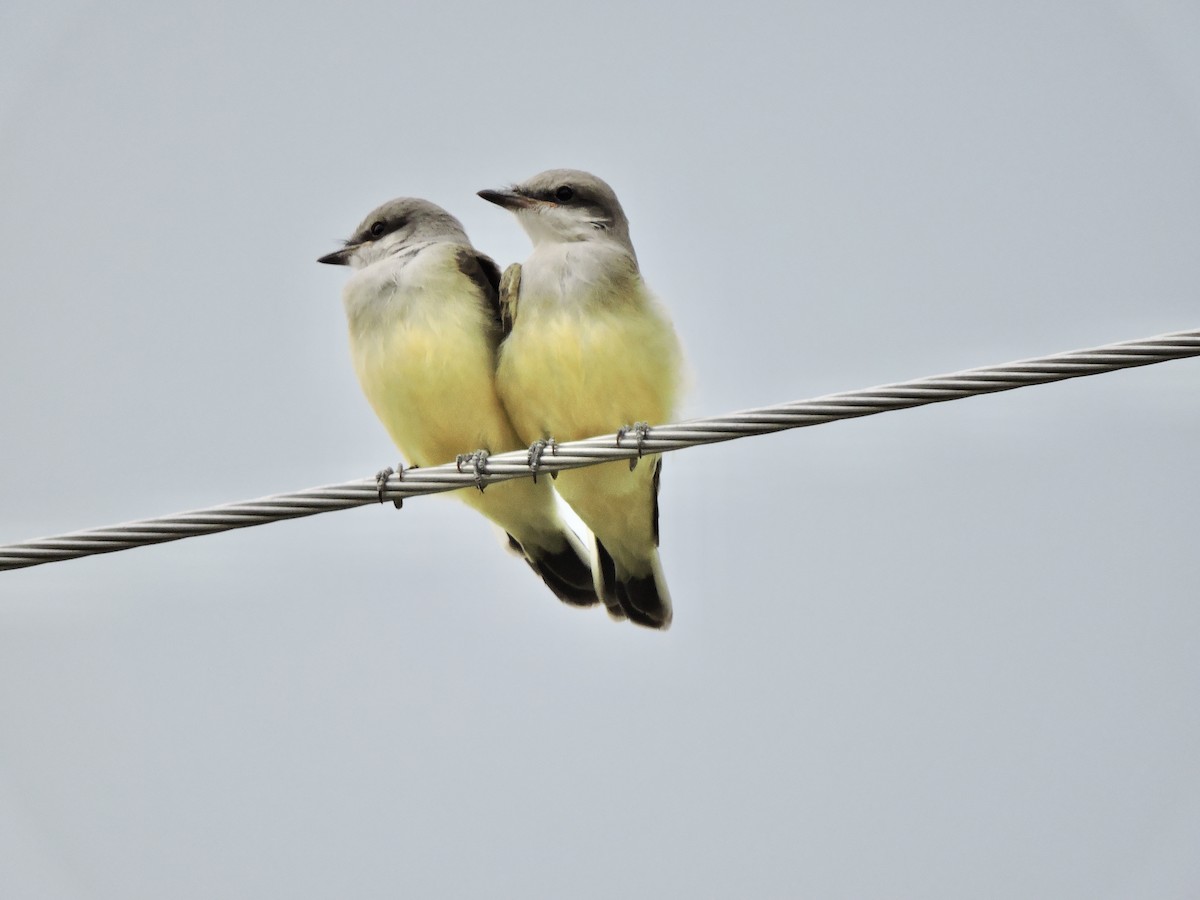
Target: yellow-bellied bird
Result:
[590, 350]
[423, 311]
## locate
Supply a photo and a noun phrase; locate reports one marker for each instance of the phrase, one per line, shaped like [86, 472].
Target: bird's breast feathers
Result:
[424, 352]
[422, 287]
[589, 363]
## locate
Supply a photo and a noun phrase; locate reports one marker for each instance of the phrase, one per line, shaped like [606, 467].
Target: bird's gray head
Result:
[397, 224]
[563, 205]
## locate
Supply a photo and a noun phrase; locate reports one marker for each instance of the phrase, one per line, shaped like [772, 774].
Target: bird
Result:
[423, 316]
[588, 348]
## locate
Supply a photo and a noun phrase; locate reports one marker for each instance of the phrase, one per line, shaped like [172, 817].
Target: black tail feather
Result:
[564, 571]
[637, 598]
[642, 603]
[607, 570]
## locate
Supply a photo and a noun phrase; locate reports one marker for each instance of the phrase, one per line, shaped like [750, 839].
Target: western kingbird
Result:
[591, 349]
[423, 311]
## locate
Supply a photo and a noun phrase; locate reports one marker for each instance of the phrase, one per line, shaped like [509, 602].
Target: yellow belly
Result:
[568, 376]
[433, 392]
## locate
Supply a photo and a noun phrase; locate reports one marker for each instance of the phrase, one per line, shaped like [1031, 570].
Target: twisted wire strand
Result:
[603, 448]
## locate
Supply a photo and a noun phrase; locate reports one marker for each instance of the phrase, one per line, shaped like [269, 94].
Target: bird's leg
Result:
[536, 449]
[381, 480]
[478, 461]
[641, 430]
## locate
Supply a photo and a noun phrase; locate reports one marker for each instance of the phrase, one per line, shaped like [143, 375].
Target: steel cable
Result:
[660, 439]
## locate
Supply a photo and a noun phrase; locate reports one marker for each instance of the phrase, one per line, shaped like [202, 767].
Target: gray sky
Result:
[941, 653]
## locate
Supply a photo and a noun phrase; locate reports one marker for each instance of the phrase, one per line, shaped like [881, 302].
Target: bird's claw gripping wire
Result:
[381, 480]
[536, 450]
[640, 430]
[478, 461]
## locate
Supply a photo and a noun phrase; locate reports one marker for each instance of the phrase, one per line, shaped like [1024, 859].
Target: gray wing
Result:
[510, 290]
[486, 276]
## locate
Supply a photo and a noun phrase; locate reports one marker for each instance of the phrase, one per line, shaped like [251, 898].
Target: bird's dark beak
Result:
[510, 200]
[339, 257]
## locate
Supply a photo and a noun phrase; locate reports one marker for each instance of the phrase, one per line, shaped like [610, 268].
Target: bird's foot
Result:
[381, 480]
[640, 430]
[478, 462]
[536, 450]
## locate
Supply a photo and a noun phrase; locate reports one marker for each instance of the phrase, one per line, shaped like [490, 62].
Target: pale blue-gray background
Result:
[949, 652]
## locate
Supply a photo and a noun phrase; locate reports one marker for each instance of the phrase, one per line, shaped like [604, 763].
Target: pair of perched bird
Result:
[568, 345]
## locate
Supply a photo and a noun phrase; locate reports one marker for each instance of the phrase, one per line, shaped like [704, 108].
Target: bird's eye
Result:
[563, 194]
[378, 228]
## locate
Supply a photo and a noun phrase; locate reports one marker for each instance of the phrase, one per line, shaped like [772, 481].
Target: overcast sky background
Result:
[945, 652]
